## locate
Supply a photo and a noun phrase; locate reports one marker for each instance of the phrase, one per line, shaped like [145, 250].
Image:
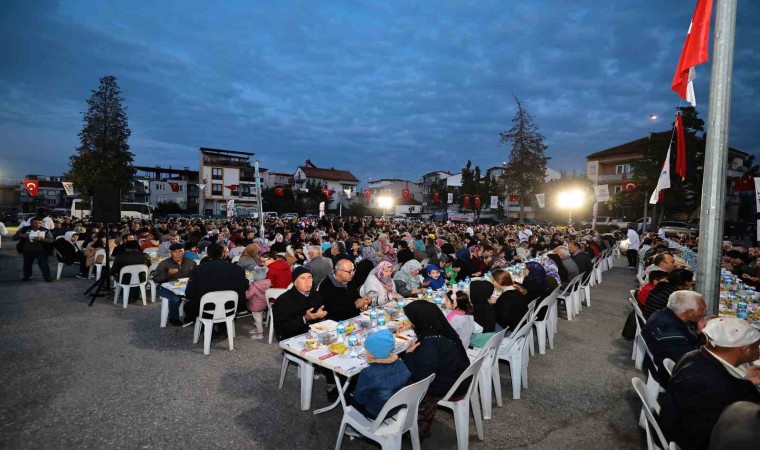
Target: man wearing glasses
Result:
[341, 301]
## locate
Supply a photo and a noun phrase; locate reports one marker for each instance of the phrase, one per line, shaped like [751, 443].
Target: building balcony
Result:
[225, 162]
[614, 177]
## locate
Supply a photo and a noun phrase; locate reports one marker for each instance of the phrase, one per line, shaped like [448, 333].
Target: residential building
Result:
[161, 185]
[393, 188]
[341, 183]
[510, 201]
[10, 195]
[227, 175]
[271, 179]
[50, 194]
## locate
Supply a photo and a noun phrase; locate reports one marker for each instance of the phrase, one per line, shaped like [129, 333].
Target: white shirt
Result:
[47, 222]
[3, 232]
[524, 234]
[633, 239]
[661, 232]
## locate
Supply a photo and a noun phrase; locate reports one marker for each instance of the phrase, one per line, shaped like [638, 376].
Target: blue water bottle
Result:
[381, 320]
[373, 317]
[341, 331]
[353, 341]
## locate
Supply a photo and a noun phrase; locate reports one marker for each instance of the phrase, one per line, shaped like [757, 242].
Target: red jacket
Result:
[280, 274]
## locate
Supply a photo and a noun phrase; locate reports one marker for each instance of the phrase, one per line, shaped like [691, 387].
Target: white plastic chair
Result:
[152, 251]
[584, 290]
[669, 365]
[153, 285]
[641, 390]
[59, 257]
[100, 255]
[514, 350]
[569, 295]
[388, 430]
[489, 372]
[305, 371]
[461, 407]
[543, 327]
[272, 294]
[134, 271]
[221, 312]
[235, 259]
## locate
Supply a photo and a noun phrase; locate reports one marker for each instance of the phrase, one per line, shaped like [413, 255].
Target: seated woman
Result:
[407, 280]
[70, 253]
[380, 281]
[535, 281]
[512, 304]
[278, 270]
[437, 350]
[482, 308]
[249, 260]
[460, 316]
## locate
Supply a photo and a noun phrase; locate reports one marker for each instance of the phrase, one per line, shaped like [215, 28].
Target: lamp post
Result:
[385, 203]
[569, 200]
[646, 194]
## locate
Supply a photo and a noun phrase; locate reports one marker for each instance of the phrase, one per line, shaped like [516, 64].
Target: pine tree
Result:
[526, 169]
[103, 157]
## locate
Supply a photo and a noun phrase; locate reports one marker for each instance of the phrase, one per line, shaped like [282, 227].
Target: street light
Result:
[385, 203]
[651, 118]
[570, 200]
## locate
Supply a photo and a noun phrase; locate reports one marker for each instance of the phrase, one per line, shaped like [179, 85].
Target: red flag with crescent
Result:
[326, 192]
[174, 186]
[436, 197]
[232, 187]
[405, 194]
[466, 201]
[279, 192]
[477, 201]
[367, 195]
[33, 186]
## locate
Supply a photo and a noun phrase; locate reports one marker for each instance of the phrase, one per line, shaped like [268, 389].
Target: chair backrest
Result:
[545, 303]
[151, 251]
[472, 373]
[641, 389]
[409, 399]
[134, 271]
[649, 354]
[220, 301]
[669, 365]
[235, 259]
[641, 279]
[571, 286]
[100, 256]
[274, 293]
[518, 335]
[492, 343]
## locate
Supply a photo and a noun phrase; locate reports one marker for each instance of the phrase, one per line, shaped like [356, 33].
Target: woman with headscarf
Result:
[407, 280]
[552, 271]
[263, 246]
[279, 245]
[431, 251]
[69, 253]
[389, 254]
[437, 350]
[380, 281]
[482, 309]
[561, 270]
[368, 253]
[249, 260]
[534, 281]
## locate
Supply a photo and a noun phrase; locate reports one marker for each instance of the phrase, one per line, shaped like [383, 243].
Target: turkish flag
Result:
[174, 186]
[694, 51]
[745, 183]
[326, 192]
[514, 198]
[367, 195]
[405, 194]
[680, 148]
[466, 201]
[436, 197]
[33, 186]
[629, 186]
[279, 192]
[232, 187]
[477, 202]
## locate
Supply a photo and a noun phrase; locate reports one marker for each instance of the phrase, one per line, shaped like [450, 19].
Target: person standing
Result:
[633, 246]
[32, 241]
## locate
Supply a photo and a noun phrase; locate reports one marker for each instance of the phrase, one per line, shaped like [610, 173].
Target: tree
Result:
[103, 157]
[526, 169]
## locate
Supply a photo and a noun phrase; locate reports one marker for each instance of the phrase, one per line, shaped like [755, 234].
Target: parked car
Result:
[288, 216]
[672, 227]
[607, 222]
[270, 215]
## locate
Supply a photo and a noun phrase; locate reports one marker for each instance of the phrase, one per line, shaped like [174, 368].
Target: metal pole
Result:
[644, 222]
[258, 199]
[716, 155]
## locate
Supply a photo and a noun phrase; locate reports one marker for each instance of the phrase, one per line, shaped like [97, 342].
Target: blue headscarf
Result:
[536, 278]
[434, 284]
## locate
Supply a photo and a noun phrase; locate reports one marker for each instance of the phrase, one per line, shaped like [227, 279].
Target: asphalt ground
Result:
[75, 376]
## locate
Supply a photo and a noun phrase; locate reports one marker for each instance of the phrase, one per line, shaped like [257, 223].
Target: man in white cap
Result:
[708, 380]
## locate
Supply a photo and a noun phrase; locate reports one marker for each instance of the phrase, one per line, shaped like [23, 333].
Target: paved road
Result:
[75, 376]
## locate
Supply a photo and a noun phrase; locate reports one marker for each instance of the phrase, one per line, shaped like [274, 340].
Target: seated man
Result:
[172, 269]
[662, 261]
[657, 299]
[581, 258]
[163, 250]
[653, 279]
[132, 255]
[215, 275]
[297, 307]
[667, 332]
[708, 380]
[341, 301]
[318, 264]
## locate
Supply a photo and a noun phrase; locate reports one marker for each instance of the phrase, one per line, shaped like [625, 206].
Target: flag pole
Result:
[716, 156]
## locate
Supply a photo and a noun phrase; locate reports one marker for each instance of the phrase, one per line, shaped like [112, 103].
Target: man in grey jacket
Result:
[318, 265]
[33, 239]
[567, 261]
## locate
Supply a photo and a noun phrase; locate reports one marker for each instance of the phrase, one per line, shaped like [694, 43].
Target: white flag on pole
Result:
[602, 192]
[495, 202]
[664, 181]
[450, 198]
[230, 208]
[68, 186]
[541, 199]
[757, 193]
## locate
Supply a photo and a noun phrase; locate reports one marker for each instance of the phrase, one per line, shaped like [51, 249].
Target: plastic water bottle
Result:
[741, 309]
[381, 321]
[341, 331]
[438, 301]
[460, 285]
[353, 342]
[373, 317]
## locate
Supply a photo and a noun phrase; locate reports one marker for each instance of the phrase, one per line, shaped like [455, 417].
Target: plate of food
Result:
[312, 345]
[325, 325]
[338, 348]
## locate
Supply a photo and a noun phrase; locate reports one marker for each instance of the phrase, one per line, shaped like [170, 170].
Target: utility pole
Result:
[258, 199]
[716, 155]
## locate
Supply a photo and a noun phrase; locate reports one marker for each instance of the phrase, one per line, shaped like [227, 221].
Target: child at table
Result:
[385, 375]
[459, 314]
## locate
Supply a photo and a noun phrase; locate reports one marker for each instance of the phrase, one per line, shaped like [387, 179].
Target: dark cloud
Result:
[384, 89]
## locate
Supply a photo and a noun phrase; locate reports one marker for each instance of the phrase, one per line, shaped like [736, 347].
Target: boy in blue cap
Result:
[385, 375]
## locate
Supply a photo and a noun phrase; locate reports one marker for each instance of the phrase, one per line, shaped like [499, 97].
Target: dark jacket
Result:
[667, 336]
[441, 356]
[338, 299]
[377, 384]
[161, 275]
[583, 261]
[215, 275]
[289, 310]
[697, 393]
[657, 298]
[404, 256]
[129, 258]
[483, 312]
[34, 246]
[510, 308]
[69, 252]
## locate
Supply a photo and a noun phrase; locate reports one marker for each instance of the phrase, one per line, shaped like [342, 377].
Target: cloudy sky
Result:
[384, 89]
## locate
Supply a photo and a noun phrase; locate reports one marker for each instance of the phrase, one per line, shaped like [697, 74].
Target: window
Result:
[618, 189]
[622, 168]
[346, 187]
[592, 170]
[216, 173]
[216, 188]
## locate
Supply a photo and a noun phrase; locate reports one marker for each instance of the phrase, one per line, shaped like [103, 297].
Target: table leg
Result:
[164, 311]
[341, 397]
